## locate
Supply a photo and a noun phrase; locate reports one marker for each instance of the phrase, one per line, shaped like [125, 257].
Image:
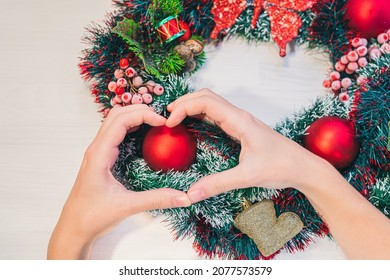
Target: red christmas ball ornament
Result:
[184, 26]
[333, 139]
[369, 17]
[167, 148]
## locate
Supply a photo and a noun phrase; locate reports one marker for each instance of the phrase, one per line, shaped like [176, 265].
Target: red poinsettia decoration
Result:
[285, 21]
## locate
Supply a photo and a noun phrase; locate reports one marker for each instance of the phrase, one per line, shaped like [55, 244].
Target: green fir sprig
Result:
[161, 9]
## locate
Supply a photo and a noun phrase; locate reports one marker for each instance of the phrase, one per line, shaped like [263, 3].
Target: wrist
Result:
[316, 173]
[69, 243]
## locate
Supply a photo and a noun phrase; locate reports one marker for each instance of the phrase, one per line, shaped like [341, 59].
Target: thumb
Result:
[158, 199]
[217, 183]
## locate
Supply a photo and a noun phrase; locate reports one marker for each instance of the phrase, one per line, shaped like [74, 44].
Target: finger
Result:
[105, 145]
[192, 107]
[189, 96]
[231, 119]
[114, 134]
[157, 199]
[116, 111]
[216, 184]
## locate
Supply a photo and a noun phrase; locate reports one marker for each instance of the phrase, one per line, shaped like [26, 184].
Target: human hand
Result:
[98, 201]
[267, 158]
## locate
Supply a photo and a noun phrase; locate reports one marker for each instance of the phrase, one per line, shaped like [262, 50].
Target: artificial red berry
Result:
[344, 59]
[362, 50]
[339, 66]
[335, 75]
[137, 81]
[352, 56]
[383, 38]
[362, 62]
[346, 82]
[352, 66]
[121, 82]
[158, 89]
[124, 63]
[150, 85]
[336, 85]
[343, 97]
[119, 90]
[112, 86]
[356, 42]
[327, 83]
[130, 72]
[118, 73]
[118, 99]
[147, 98]
[142, 90]
[137, 99]
[126, 97]
[348, 71]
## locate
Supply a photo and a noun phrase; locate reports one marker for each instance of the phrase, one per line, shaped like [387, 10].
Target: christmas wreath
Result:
[146, 50]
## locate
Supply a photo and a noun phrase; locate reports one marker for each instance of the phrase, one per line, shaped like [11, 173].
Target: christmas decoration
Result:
[169, 29]
[285, 22]
[269, 233]
[369, 17]
[129, 88]
[333, 139]
[188, 51]
[167, 148]
[348, 65]
[356, 90]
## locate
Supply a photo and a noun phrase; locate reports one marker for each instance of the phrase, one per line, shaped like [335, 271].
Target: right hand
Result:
[267, 158]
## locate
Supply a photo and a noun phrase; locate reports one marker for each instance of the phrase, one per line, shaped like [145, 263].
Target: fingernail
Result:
[196, 195]
[181, 201]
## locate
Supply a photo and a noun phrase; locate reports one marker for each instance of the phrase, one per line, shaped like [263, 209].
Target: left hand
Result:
[98, 201]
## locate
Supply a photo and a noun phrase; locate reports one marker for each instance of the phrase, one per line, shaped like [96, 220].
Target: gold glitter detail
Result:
[269, 233]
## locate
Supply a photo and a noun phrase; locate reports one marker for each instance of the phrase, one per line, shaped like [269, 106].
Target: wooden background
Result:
[47, 119]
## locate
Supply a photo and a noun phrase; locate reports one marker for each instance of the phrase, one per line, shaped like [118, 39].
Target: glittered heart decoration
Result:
[269, 233]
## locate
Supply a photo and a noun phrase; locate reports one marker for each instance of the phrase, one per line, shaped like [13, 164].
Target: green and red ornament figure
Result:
[169, 29]
[132, 57]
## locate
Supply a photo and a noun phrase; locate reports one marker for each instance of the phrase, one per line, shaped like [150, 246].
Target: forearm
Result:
[67, 244]
[359, 228]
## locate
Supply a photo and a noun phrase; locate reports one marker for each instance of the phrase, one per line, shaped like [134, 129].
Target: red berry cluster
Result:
[357, 58]
[129, 87]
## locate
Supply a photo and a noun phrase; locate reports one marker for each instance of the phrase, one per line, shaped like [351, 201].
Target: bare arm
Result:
[98, 202]
[360, 229]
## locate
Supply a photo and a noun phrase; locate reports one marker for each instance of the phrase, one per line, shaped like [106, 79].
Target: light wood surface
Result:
[47, 119]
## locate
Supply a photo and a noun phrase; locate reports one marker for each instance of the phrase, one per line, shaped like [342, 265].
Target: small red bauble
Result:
[334, 139]
[184, 26]
[369, 17]
[167, 148]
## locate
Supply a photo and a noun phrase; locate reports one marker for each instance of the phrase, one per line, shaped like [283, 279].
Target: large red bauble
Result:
[167, 148]
[369, 17]
[333, 139]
